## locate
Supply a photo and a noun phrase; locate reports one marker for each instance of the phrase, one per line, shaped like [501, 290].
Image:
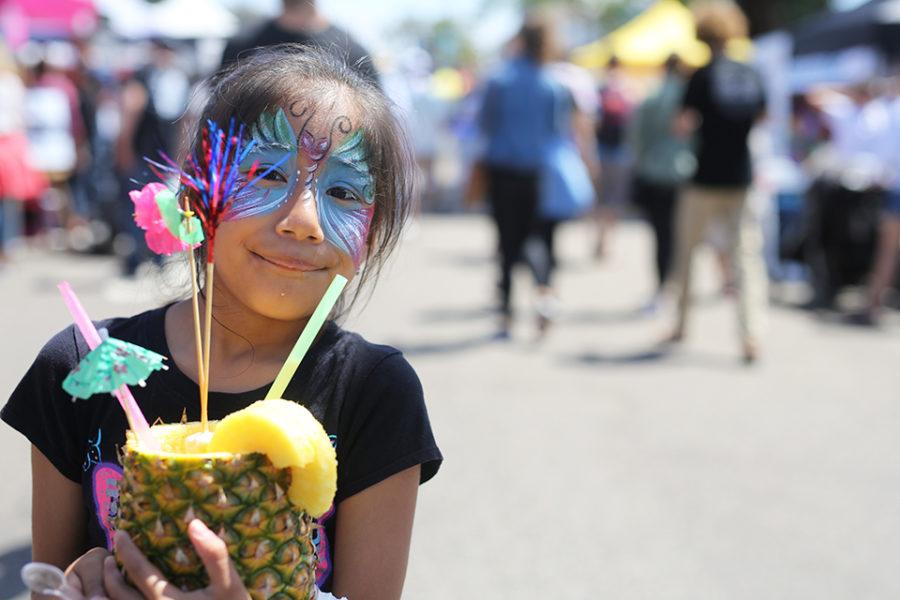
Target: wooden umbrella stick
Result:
[204, 393]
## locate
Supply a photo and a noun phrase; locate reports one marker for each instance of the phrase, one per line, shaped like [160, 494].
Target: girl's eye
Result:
[342, 193]
[274, 176]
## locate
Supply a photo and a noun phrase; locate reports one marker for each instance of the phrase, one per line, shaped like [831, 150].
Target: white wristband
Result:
[320, 595]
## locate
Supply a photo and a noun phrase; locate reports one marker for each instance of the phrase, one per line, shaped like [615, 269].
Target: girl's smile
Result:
[288, 262]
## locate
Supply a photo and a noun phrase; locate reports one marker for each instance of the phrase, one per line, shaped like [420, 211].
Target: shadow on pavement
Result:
[464, 260]
[603, 316]
[11, 562]
[462, 345]
[445, 315]
[656, 355]
[635, 358]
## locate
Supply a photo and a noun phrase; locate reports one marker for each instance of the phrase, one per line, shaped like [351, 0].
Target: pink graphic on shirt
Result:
[320, 541]
[106, 478]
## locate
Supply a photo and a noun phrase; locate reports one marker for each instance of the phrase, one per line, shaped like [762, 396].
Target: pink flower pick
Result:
[149, 217]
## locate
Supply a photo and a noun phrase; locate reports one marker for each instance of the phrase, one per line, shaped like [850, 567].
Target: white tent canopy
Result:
[174, 19]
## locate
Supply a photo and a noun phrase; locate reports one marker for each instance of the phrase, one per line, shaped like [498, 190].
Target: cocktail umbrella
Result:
[111, 365]
[136, 420]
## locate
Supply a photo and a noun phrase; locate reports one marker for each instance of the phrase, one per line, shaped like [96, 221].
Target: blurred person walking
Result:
[522, 112]
[571, 168]
[151, 102]
[300, 22]
[884, 268]
[19, 181]
[663, 161]
[615, 112]
[725, 98]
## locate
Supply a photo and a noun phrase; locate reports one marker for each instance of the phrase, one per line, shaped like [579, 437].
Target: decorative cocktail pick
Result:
[111, 365]
[170, 229]
[306, 338]
[167, 229]
[136, 420]
[211, 180]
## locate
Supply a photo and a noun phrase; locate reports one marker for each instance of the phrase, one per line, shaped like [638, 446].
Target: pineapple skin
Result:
[242, 498]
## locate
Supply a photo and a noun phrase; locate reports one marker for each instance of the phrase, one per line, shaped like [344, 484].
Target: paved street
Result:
[592, 464]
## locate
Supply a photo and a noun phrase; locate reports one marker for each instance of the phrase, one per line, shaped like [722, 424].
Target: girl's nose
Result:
[302, 219]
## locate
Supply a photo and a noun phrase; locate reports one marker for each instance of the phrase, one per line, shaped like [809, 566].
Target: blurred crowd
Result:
[538, 139]
[695, 153]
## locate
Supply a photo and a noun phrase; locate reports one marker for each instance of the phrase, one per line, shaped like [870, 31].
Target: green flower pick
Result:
[182, 224]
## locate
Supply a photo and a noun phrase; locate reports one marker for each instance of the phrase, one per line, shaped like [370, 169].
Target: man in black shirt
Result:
[300, 22]
[722, 102]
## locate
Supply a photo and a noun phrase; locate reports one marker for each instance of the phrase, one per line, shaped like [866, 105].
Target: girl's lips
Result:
[289, 263]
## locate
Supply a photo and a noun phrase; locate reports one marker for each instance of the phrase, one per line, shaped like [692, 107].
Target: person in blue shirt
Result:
[520, 115]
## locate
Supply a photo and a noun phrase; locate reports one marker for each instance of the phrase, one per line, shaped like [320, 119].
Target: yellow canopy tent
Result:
[648, 39]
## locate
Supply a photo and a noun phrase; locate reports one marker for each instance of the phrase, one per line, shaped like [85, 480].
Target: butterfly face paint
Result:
[339, 179]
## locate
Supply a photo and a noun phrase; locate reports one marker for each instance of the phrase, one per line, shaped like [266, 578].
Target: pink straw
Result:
[136, 419]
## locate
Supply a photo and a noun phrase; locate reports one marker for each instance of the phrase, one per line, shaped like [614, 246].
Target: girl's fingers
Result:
[147, 578]
[115, 584]
[86, 574]
[223, 577]
[74, 585]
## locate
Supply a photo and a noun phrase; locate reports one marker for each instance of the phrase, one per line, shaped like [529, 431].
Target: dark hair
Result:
[269, 77]
[538, 38]
[672, 64]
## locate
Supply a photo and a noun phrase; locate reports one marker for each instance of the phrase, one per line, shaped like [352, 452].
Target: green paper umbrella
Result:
[111, 365]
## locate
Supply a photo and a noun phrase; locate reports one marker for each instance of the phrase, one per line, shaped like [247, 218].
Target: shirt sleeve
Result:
[42, 411]
[386, 430]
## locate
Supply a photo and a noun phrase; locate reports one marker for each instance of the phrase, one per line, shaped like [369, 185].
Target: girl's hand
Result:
[85, 575]
[224, 581]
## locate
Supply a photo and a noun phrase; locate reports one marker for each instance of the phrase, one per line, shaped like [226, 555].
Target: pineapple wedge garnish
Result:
[290, 436]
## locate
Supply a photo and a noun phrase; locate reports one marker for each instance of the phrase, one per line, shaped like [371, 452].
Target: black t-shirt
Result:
[729, 97]
[366, 396]
[333, 39]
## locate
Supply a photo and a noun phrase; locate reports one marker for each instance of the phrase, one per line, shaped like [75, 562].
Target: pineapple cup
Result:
[242, 497]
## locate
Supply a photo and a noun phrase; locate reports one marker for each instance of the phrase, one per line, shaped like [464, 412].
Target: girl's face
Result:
[286, 236]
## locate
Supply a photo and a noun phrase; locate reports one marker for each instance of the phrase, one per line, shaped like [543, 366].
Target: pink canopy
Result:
[23, 19]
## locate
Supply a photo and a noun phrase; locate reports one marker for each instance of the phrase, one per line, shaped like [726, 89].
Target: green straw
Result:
[306, 338]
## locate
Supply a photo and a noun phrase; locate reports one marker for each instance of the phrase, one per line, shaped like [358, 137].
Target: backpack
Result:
[614, 112]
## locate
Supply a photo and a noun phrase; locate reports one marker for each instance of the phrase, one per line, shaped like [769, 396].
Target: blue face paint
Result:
[344, 197]
[341, 182]
[275, 146]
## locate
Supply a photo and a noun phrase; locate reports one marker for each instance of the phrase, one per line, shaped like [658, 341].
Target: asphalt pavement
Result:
[593, 463]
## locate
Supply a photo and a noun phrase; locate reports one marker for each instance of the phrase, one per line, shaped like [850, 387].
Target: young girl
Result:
[335, 206]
